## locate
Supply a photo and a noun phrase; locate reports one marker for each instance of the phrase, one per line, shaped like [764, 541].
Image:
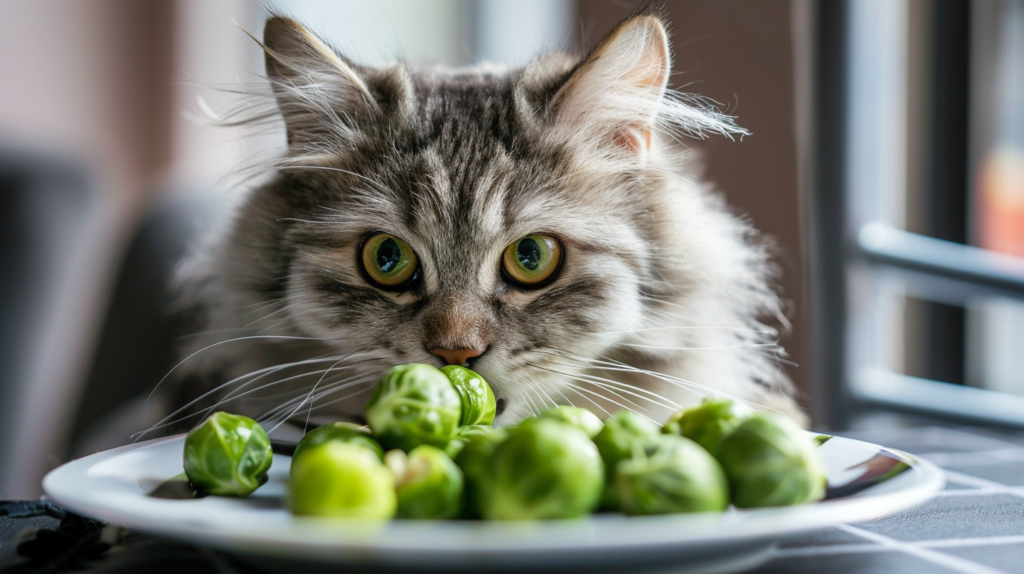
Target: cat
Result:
[539, 225]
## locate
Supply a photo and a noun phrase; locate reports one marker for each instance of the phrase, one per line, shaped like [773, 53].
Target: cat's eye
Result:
[388, 261]
[532, 261]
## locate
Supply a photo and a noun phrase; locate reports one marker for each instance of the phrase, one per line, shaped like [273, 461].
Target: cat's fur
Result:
[663, 291]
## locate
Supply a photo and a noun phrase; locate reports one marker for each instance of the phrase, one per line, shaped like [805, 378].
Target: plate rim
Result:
[749, 527]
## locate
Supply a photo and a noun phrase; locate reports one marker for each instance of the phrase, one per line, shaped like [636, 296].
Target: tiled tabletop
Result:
[975, 526]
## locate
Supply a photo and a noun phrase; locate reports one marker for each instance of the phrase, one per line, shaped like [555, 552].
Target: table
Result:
[975, 526]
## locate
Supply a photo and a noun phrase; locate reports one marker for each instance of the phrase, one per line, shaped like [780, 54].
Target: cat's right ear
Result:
[616, 92]
[318, 92]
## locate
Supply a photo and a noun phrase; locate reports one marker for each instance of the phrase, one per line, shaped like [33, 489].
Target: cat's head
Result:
[501, 219]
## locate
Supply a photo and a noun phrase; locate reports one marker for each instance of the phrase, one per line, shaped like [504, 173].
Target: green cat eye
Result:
[388, 261]
[532, 260]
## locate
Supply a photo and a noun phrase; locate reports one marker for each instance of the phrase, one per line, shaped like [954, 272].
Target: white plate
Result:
[114, 486]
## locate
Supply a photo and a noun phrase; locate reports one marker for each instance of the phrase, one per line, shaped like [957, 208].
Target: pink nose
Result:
[456, 356]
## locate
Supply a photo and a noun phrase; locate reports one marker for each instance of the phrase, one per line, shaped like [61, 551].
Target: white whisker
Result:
[236, 339]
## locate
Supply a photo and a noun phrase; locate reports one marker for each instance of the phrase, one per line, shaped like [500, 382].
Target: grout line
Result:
[947, 560]
[989, 438]
[970, 492]
[957, 437]
[979, 486]
[990, 486]
[958, 542]
[975, 457]
[830, 550]
[975, 481]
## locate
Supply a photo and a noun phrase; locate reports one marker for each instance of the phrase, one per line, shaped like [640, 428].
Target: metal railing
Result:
[951, 273]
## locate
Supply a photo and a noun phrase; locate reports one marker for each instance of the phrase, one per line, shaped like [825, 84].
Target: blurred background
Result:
[887, 161]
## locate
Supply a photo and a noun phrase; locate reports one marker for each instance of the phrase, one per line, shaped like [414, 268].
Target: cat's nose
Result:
[458, 357]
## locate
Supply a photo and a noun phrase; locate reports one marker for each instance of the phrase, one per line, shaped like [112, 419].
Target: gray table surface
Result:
[976, 525]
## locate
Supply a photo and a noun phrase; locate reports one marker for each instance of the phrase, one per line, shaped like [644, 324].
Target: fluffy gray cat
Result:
[537, 224]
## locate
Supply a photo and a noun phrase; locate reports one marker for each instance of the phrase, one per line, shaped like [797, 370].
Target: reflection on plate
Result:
[865, 482]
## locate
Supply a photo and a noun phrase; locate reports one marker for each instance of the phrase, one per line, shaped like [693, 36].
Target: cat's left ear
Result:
[316, 89]
[616, 92]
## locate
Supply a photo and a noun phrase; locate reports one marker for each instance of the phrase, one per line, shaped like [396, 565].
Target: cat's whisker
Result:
[626, 388]
[287, 317]
[198, 334]
[253, 323]
[688, 328]
[565, 398]
[340, 379]
[548, 397]
[236, 396]
[234, 340]
[257, 375]
[313, 390]
[164, 423]
[605, 398]
[609, 388]
[607, 364]
[341, 399]
[337, 358]
[324, 373]
[532, 406]
[261, 305]
[714, 348]
[536, 393]
[589, 400]
[334, 386]
[687, 384]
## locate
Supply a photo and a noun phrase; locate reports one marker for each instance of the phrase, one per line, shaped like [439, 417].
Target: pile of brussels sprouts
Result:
[430, 452]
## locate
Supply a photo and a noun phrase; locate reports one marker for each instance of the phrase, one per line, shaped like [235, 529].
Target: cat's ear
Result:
[616, 91]
[316, 89]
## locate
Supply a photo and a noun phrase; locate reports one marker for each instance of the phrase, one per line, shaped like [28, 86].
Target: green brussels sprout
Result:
[474, 458]
[341, 480]
[578, 417]
[545, 469]
[227, 455]
[478, 405]
[345, 432]
[671, 474]
[771, 461]
[412, 405]
[709, 422]
[428, 483]
[462, 436]
[615, 442]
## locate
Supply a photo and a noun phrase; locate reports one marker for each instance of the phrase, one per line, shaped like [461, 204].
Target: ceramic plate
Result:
[866, 481]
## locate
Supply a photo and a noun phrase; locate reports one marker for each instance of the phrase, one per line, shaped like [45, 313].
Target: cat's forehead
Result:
[463, 159]
[468, 166]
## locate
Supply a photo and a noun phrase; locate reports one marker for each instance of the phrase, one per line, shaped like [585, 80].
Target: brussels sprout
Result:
[671, 474]
[342, 480]
[462, 436]
[478, 405]
[412, 405]
[545, 469]
[475, 461]
[771, 461]
[345, 432]
[709, 422]
[428, 483]
[578, 417]
[615, 442]
[227, 455]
